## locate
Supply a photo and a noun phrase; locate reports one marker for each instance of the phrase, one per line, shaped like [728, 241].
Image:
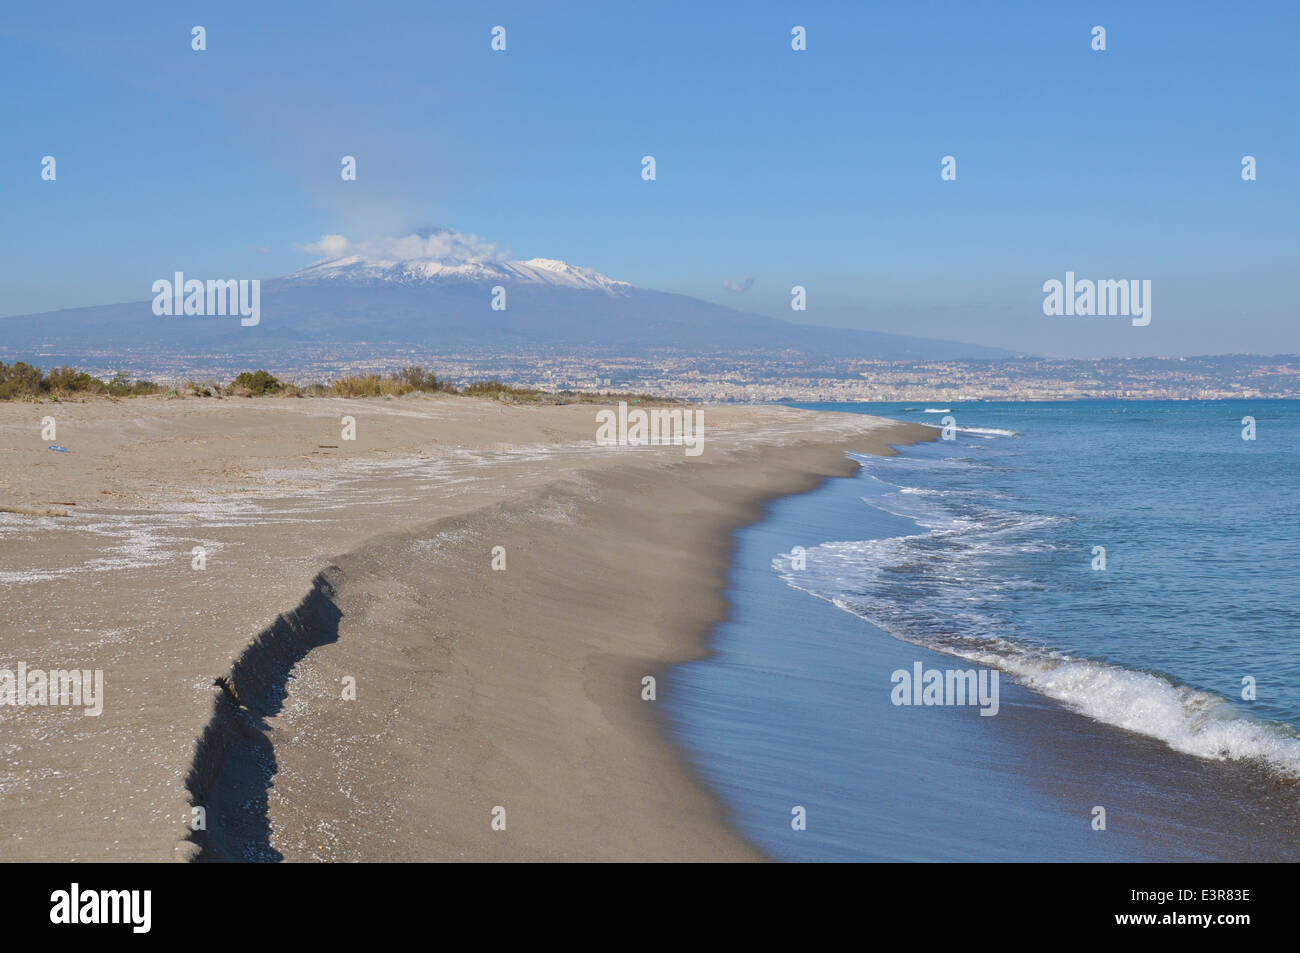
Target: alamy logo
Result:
[642, 428]
[181, 297]
[82, 689]
[1102, 298]
[930, 686]
[103, 906]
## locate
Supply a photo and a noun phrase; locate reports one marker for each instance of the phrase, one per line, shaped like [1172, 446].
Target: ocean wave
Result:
[952, 494]
[943, 588]
[1187, 719]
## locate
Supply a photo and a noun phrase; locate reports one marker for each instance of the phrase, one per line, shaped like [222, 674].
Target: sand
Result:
[327, 560]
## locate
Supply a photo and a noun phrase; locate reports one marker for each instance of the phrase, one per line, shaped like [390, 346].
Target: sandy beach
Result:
[484, 698]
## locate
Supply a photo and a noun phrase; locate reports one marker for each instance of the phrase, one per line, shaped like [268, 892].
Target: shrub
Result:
[19, 380]
[362, 385]
[123, 386]
[68, 380]
[500, 391]
[258, 383]
[418, 378]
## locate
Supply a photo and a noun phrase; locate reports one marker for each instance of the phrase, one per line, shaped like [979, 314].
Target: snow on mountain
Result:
[430, 292]
[436, 262]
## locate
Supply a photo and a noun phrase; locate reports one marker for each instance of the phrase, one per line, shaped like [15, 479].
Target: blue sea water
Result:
[982, 551]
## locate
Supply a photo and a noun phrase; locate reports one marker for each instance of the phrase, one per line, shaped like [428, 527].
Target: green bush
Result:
[259, 383]
[19, 380]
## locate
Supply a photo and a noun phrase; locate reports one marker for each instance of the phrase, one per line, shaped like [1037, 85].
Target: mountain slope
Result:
[394, 304]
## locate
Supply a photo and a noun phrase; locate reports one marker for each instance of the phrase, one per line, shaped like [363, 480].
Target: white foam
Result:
[951, 580]
[1188, 720]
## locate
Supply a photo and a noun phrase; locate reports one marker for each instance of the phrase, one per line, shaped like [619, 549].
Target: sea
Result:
[1128, 569]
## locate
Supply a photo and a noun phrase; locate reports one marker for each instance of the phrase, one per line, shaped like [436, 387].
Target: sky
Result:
[774, 167]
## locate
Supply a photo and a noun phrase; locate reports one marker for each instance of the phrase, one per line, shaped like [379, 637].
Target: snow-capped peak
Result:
[441, 257]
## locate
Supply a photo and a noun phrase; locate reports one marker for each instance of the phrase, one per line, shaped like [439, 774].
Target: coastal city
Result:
[757, 377]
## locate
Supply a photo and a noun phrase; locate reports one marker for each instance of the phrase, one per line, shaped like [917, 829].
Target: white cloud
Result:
[741, 286]
[444, 245]
[330, 246]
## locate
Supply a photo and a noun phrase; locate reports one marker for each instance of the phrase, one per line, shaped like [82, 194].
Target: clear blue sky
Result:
[818, 168]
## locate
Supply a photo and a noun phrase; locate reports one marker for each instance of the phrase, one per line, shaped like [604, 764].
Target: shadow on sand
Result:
[234, 760]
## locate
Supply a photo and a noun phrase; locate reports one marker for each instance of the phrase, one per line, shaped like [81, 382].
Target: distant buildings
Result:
[758, 376]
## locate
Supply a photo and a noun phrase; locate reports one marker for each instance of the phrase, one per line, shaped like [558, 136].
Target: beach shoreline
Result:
[528, 696]
[795, 707]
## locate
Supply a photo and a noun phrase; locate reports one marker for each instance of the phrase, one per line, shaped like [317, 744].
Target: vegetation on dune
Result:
[505, 392]
[257, 383]
[423, 380]
[407, 380]
[22, 381]
[19, 381]
[495, 388]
